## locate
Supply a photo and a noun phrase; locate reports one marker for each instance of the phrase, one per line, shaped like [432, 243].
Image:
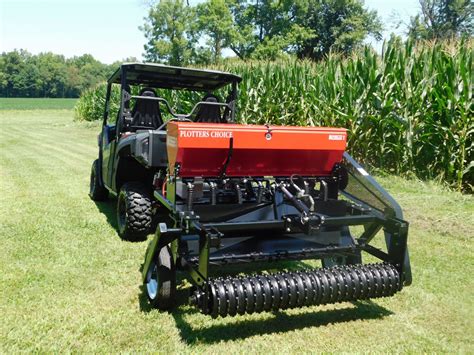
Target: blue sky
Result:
[108, 29]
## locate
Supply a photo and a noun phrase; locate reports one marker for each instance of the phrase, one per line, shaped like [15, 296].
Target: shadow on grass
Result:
[280, 322]
[108, 209]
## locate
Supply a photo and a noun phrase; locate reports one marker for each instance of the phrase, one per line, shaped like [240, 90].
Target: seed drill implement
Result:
[218, 195]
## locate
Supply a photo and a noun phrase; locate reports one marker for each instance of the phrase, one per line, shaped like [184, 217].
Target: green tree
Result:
[339, 25]
[214, 20]
[3, 76]
[309, 28]
[49, 75]
[266, 29]
[52, 74]
[443, 19]
[19, 74]
[243, 43]
[170, 33]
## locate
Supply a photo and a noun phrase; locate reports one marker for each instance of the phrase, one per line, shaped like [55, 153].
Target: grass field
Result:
[22, 103]
[69, 283]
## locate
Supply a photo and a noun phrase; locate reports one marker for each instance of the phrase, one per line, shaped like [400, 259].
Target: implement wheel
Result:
[160, 282]
[97, 190]
[134, 212]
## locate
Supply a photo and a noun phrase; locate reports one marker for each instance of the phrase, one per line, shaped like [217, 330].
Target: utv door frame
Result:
[109, 142]
[104, 143]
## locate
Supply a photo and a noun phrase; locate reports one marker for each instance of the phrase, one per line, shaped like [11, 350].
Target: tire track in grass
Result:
[38, 182]
[69, 136]
[60, 144]
[57, 153]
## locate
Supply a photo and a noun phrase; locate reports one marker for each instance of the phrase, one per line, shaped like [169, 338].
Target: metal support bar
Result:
[259, 191]
[213, 186]
[232, 106]
[190, 188]
[204, 246]
[307, 253]
[163, 236]
[238, 192]
[164, 201]
[376, 252]
[397, 247]
[247, 226]
[350, 220]
[159, 99]
[370, 230]
[219, 104]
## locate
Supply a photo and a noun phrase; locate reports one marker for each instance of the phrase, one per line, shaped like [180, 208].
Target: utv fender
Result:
[129, 169]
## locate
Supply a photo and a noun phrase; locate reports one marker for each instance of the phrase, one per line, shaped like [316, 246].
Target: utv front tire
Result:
[160, 282]
[134, 212]
[97, 190]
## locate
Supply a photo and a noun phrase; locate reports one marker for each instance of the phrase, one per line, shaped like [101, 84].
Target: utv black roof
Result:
[169, 77]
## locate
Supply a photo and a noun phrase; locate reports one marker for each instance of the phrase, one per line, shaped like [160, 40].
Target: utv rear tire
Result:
[160, 282]
[97, 190]
[134, 212]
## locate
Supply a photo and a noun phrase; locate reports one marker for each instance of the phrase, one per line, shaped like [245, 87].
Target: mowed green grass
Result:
[26, 103]
[69, 283]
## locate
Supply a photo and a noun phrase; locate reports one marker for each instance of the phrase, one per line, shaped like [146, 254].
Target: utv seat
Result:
[209, 113]
[146, 114]
[230, 101]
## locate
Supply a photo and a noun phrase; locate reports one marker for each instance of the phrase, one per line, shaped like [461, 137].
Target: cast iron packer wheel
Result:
[134, 212]
[160, 283]
[97, 190]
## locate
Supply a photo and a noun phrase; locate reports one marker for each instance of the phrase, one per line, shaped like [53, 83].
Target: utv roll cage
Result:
[159, 76]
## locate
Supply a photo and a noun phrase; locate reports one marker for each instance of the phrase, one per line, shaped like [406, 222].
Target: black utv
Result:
[132, 143]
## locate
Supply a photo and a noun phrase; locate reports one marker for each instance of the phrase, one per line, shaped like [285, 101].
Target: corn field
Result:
[409, 110]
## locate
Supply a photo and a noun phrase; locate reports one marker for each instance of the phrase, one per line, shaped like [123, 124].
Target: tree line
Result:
[179, 34]
[23, 74]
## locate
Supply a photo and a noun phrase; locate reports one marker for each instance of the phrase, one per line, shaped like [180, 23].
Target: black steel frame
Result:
[209, 235]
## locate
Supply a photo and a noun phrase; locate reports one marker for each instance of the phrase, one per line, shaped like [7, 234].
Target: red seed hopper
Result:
[208, 149]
